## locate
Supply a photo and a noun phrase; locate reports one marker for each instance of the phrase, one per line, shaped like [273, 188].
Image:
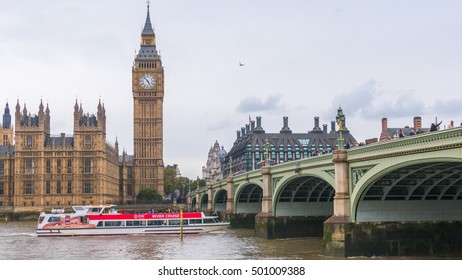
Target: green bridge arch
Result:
[402, 205]
[387, 198]
[366, 165]
[307, 194]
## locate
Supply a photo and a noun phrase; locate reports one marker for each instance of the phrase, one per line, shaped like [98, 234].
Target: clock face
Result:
[147, 81]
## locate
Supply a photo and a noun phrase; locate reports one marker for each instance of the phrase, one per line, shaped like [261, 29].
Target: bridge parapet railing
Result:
[425, 142]
[325, 159]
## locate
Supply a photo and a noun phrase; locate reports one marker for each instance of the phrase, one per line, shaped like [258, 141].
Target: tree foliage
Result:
[148, 196]
[169, 180]
[178, 187]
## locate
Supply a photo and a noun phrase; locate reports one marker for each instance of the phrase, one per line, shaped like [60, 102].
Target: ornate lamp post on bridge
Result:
[230, 166]
[266, 162]
[340, 118]
[339, 224]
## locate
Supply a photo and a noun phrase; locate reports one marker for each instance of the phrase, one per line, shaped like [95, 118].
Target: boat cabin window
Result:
[174, 222]
[155, 223]
[185, 222]
[195, 221]
[100, 224]
[135, 223]
[209, 221]
[94, 210]
[54, 219]
[113, 224]
[41, 218]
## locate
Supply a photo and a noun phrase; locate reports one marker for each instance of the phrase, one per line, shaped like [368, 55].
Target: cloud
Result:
[371, 101]
[253, 103]
[357, 100]
[221, 124]
[447, 108]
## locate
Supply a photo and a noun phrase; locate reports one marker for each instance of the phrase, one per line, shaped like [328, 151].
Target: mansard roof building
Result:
[252, 142]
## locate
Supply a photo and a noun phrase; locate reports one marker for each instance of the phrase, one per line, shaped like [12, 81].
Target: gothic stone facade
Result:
[148, 98]
[54, 171]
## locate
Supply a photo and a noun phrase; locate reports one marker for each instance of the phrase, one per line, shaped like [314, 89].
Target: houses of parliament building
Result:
[39, 170]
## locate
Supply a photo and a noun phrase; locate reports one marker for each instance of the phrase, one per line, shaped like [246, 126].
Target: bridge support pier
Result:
[337, 227]
[198, 201]
[229, 195]
[264, 221]
[270, 227]
[436, 239]
[209, 199]
[236, 220]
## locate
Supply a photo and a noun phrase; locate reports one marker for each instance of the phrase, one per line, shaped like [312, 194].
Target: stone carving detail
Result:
[275, 182]
[357, 173]
[331, 173]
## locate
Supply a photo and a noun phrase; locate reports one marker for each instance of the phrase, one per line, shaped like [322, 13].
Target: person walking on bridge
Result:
[434, 127]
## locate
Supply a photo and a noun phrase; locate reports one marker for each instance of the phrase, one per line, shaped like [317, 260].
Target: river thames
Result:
[142, 257]
[19, 242]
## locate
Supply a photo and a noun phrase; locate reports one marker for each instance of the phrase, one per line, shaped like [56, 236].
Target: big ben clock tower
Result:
[148, 98]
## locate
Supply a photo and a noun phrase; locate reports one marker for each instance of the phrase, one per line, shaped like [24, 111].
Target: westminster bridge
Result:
[399, 197]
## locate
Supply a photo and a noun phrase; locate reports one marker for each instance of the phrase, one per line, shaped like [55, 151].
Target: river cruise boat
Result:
[92, 220]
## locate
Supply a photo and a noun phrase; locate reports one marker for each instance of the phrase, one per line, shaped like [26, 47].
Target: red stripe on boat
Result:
[154, 216]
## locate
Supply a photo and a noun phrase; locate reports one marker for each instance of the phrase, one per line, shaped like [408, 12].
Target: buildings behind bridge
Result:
[249, 149]
[253, 145]
[389, 133]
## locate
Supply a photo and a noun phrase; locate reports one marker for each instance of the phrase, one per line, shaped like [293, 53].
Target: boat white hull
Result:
[130, 230]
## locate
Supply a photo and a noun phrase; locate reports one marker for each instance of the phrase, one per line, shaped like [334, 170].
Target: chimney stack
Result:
[258, 122]
[384, 124]
[316, 127]
[285, 128]
[417, 123]
[324, 128]
[259, 129]
[332, 126]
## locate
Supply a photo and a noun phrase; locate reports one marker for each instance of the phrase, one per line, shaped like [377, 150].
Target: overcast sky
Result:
[394, 59]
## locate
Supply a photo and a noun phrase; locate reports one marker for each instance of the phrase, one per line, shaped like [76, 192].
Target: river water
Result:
[138, 256]
[19, 242]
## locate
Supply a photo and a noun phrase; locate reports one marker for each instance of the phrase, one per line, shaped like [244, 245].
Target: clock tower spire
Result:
[148, 99]
[148, 37]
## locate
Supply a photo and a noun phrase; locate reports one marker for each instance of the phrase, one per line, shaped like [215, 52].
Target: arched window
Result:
[87, 142]
[29, 141]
